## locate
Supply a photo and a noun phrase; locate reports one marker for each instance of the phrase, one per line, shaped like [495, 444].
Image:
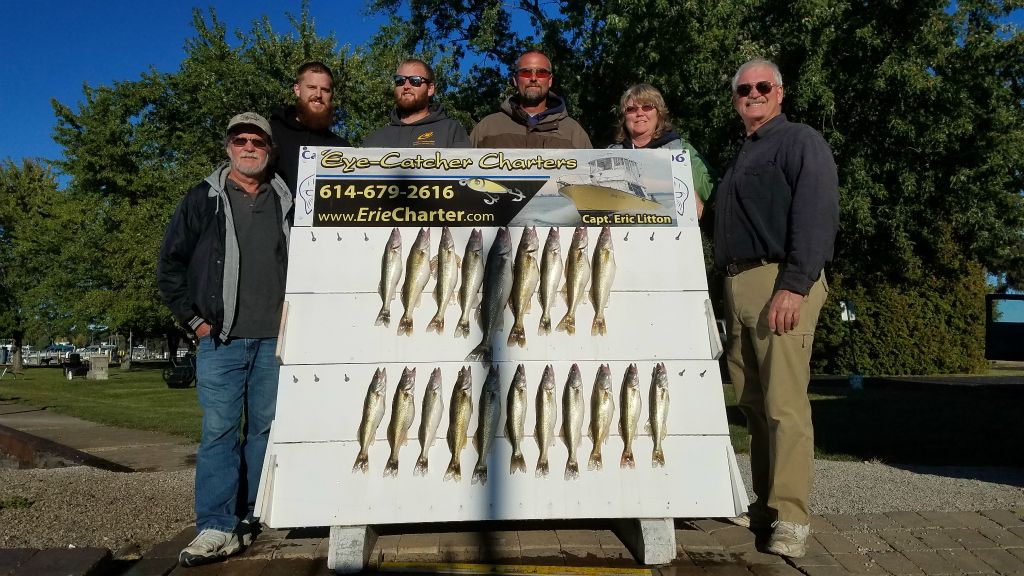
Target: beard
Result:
[315, 119]
[248, 169]
[418, 103]
[532, 96]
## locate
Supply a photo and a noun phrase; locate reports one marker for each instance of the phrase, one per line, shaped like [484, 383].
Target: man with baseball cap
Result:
[221, 271]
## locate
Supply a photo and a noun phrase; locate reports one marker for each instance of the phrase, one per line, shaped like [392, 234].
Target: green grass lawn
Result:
[136, 398]
[940, 425]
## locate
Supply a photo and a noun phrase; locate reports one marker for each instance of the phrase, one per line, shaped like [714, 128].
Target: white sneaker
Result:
[755, 521]
[208, 546]
[789, 539]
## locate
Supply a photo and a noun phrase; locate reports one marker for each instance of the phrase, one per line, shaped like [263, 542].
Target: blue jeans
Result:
[234, 378]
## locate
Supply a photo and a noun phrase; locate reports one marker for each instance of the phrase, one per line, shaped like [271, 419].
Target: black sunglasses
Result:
[416, 81]
[763, 87]
[239, 142]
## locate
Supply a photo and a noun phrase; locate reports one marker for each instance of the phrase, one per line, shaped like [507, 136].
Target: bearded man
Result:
[535, 117]
[221, 271]
[308, 122]
[415, 121]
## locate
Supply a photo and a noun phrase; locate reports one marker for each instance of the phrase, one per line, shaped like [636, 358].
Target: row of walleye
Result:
[505, 281]
[573, 408]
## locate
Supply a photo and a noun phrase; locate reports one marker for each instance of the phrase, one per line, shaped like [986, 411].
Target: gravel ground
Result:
[87, 507]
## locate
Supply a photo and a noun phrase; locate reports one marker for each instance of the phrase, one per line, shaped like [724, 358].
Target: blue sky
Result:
[50, 48]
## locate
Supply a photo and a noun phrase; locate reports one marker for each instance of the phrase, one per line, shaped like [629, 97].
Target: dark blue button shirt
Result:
[779, 201]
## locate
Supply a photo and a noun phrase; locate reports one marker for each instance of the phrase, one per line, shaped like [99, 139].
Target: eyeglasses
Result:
[763, 87]
[416, 81]
[539, 73]
[239, 142]
[633, 109]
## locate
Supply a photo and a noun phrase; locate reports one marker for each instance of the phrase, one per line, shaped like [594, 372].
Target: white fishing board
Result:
[330, 346]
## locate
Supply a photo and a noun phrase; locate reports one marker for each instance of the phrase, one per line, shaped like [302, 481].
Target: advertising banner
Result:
[484, 334]
[368, 187]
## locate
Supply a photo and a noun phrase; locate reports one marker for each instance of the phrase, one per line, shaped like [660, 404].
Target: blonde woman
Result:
[644, 122]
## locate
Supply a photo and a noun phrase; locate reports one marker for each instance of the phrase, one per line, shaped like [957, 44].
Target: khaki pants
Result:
[771, 374]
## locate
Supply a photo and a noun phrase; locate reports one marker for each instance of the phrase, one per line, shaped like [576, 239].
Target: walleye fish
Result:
[658, 407]
[430, 417]
[373, 413]
[390, 275]
[497, 287]
[403, 412]
[515, 420]
[417, 272]
[525, 277]
[572, 420]
[447, 272]
[602, 411]
[577, 275]
[460, 411]
[629, 414]
[547, 413]
[550, 275]
[472, 277]
[487, 425]
[604, 275]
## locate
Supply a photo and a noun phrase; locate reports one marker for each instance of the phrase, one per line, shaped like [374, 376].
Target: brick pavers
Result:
[902, 540]
[1002, 537]
[1002, 561]
[937, 539]
[910, 520]
[697, 541]
[837, 544]
[1005, 518]
[859, 564]
[974, 520]
[868, 542]
[890, 544]
[895, 563]
[965, 562]
[931, 562]
[64, 561]
[781, 569]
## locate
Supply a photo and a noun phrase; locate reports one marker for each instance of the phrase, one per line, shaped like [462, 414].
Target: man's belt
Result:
[740, 266]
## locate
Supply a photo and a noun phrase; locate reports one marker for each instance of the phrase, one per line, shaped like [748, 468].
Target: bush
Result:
[934, 326]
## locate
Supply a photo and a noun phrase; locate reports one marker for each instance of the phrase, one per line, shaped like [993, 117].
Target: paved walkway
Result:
[894, 543]
[33, 432]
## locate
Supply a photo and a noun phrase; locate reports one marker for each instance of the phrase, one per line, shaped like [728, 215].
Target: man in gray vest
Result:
[222, 273]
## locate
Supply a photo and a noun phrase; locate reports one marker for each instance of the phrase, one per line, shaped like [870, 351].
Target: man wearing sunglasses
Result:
[308, 122]
[415, 121]
[776, 217]
[221, 271]
[535, 117]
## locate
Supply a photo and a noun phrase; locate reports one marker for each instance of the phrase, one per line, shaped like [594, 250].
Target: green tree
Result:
[132, 150]
[34, 216]
[921, 104]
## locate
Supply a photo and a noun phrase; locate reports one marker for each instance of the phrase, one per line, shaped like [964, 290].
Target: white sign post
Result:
[350, 202]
